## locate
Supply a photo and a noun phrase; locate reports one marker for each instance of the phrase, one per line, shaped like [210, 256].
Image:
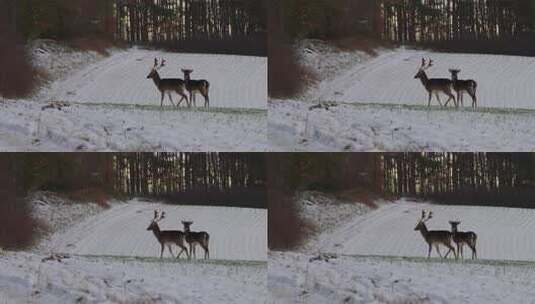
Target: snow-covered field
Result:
[235, 81]
[25, 278]
[347, 127]
[112, 106]
[25, 126]
[235, 233]
[105, 255]
[378, 257]
[294, 278]
[503, 81]
[381, 107]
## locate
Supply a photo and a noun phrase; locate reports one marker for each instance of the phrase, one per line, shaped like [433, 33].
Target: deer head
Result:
[157, 218]
[154, 71]
[186, 225]
[423, 68]
[421, 223]
[454, 224]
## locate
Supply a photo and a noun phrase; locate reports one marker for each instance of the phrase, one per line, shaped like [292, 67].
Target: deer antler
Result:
[162, 64]
[423, 215]
[423, 63]
[429, 216]
[155, 62]
[430, 64]
[162, 216]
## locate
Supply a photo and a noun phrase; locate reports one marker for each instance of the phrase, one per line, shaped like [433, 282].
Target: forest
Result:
[237, 26]
[462, 178]
[236, 179]
[503, 26]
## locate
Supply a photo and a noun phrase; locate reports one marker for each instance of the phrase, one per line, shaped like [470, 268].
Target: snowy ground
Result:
[25, 126]
[235, 233]
[106, 255]
[294, 278]
[235, 81]
[377, 257]
[114, 107]
[381, 107]
[503, 81]
[25, 278]
[374, 127]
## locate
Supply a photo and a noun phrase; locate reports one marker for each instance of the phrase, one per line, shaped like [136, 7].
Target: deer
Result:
[460, 86]
[201, 238]
[434, 237]
[167, 85]
[435, 85]
[167, 237]
[460, 238]
[196, 86]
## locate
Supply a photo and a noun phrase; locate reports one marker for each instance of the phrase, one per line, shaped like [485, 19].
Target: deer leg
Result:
[206, 100]
[161, 252]
[438, 250]
[429, 100]
[161, 101]
[440, 102]
[170, 250]
[474, 252]
[170, 98]
[429, 251]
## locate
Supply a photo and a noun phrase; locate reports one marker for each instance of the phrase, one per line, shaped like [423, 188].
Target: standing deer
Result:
[197, 86]
[167, 85]
[434, 237]
[196, 238]
[435, 85]
[460, 238]
[461, 86]
[167, 237]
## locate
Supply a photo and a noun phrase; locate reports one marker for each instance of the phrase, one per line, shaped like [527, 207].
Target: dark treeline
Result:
[490, 26]
[432, 20]
[183, 24]
[210, 178]
[236, 179]
[221, 26]
[500, 179]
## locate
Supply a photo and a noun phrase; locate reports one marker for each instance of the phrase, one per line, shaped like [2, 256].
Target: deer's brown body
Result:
[167, 237]
[461, 238]
[435, 237]
[197, 86]
[167, 85]
[461, 86]
[201, 238]
[435, 85]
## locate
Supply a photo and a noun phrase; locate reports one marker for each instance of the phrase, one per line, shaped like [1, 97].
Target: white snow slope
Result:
[235, 233]
[25, 278]
[503, 233]
[294, 278]
[381, 107]
[378, 257]
[346, 127]
[235, 81]
[25, 126]
[503, 81]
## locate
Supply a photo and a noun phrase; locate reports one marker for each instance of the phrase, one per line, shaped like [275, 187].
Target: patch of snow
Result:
[299, 278]
[325, 213]
[503, 81]
[26, 278]
[344, 127]
[59, 60]
[235, 233]
[25, 126]
[235, 81]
